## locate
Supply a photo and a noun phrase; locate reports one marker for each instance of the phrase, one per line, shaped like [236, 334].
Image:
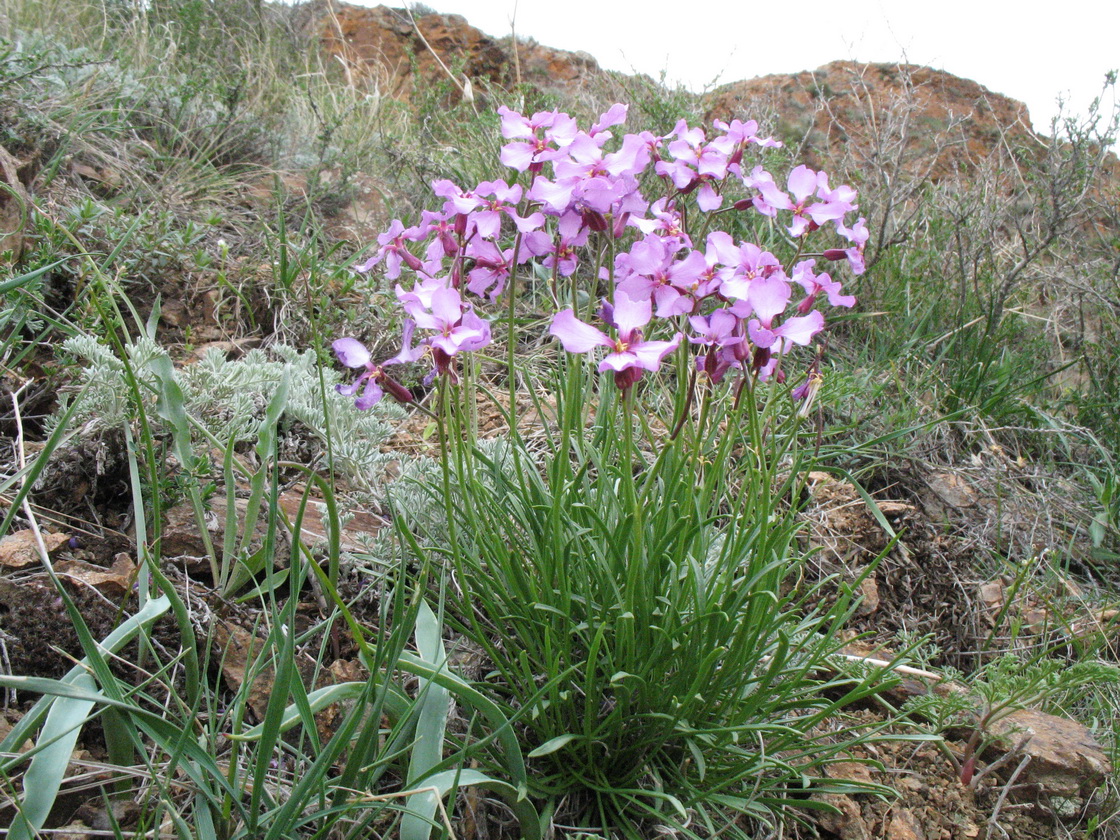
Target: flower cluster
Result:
[574, 193]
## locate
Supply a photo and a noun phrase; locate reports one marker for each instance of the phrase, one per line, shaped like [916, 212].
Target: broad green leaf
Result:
[439, 785]
[112, 643]
[427, 749]
[44, 776]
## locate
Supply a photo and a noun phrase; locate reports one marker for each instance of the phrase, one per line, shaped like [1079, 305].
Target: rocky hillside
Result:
[822, 109]
[380, 46]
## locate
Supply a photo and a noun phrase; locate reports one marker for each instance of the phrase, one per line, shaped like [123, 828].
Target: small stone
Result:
[904, 825]
[992, 594]
[913, 784]
[851, 771]
[1066, 760]
[117, 580]
[869, 595]
[952, 489]
[847, 822]
[21, 549]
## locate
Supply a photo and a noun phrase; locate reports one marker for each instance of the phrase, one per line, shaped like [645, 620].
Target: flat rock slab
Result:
[1065, 758]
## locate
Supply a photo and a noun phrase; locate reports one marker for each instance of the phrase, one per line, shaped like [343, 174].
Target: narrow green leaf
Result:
[13, 283]
[514, 762]
[552, 745]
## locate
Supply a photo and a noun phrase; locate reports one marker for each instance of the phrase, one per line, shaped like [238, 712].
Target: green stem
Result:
[627, 463]
[442, 421]
[511, 337]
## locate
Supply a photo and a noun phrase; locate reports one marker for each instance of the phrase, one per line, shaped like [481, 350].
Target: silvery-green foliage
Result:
[356, 436]
[228, 399]
[415, 498]
[415, 493]
[101, 390]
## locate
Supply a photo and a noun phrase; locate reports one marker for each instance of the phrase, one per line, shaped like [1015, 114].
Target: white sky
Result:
[1029, 50]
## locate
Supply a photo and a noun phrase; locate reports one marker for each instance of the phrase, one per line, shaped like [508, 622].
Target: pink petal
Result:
[630, 314]
[556, 196]
[769, 296]
[575, 335]
[721, 248]
[707, 199]
[370, 396]
[528, 223]
[760, 335]
[351, 352]
[618, 362]
[516, 156]
[801, 329]
[447, 305]
[616, 115]
[802, 182]
[651, 353]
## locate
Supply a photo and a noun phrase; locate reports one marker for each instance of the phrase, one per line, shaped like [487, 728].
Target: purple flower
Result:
[739, 133]
[651, 270]
[752, 265]
[354, 354]
[502, 200]
[804, 183]
[456, 325]
[560, 252]
[858, 236]
[716, 330]
[769, 197]
[458, 201]
[799, 329]
[630, 353]
[441, 228]
[492, 267]
[538, 139]
[696, 164]
[393, 250]
[814, 284]
[666, 222]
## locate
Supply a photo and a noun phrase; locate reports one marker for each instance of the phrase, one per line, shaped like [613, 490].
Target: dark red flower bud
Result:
[968, 769]
[806, 304]
[396, 390]
[620, 225]
[835, 254]
[443, 363]
[595, 220]
[625, 379]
